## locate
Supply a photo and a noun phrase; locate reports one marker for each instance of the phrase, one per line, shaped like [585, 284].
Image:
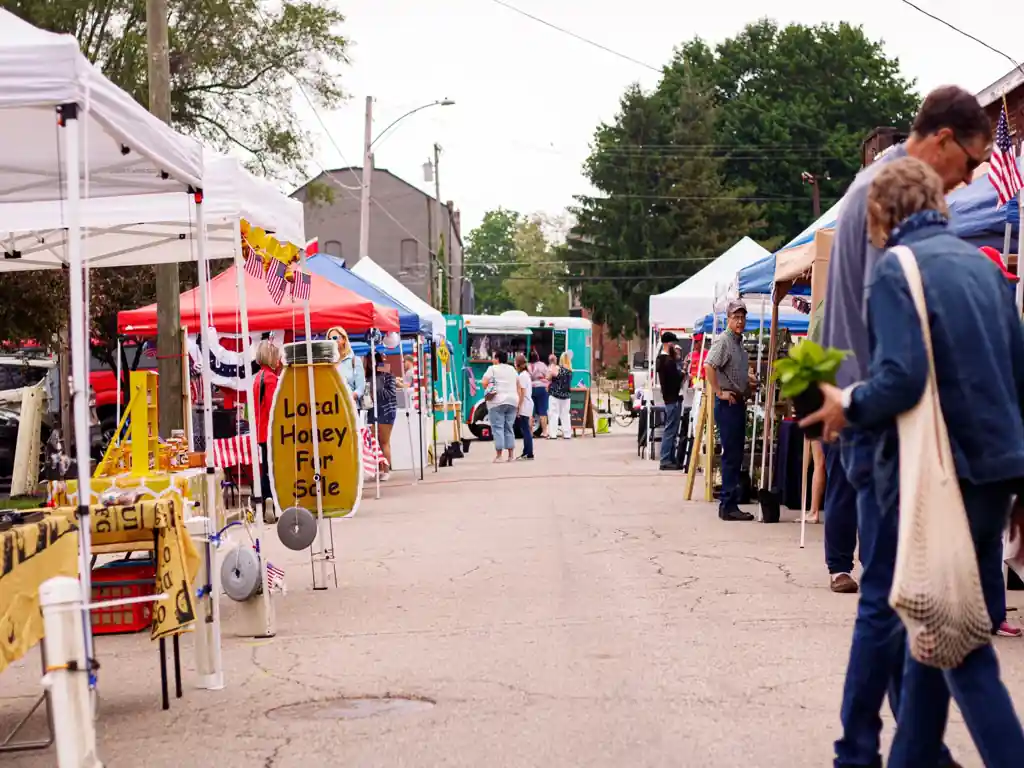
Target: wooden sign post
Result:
[291, 437]
[581, 412]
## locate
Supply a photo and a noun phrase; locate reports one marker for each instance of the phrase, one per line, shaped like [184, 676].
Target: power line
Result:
[330, 137]
[632, 60]
[959, 31]
[581, 38]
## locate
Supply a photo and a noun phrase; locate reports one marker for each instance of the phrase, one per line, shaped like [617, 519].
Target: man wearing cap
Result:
[671, 380]
[727, 370]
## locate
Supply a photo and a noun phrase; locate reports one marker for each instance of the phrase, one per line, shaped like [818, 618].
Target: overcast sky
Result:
[528, 97]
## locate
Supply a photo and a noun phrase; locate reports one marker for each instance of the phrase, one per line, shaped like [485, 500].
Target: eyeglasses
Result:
[972, 161]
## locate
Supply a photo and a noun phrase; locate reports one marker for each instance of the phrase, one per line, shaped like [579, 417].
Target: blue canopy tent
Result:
[327, 267]
[795, 323]
[974, 215]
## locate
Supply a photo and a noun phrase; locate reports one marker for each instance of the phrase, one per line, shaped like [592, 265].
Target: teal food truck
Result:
[475, 339]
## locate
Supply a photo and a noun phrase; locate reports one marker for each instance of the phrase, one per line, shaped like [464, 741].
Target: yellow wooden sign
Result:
[291, 436]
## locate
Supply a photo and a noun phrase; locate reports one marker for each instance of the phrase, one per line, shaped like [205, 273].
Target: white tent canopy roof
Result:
[125, 148]
[114, 236]
[379, 277]
[695, 297]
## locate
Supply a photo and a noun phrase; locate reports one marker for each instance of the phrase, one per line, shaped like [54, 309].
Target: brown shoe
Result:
[844, 583]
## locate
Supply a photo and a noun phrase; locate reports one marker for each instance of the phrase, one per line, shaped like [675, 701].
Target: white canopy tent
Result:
[380, 278]
[131, 229]
[78, 201]
[48, 88]
[677, 308]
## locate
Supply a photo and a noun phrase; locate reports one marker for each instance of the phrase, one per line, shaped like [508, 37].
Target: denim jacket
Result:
[351, 370]
[978, 347]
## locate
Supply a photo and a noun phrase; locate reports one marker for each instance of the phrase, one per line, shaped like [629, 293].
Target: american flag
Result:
[231, 452]
[301, 286]
[1003, 171]
[253, 262]
[373, 457]
[275, 576]
[276, 284]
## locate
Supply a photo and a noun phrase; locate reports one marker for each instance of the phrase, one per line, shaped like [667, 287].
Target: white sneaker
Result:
[385, 476]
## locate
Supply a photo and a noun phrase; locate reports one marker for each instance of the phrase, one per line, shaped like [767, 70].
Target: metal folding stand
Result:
[165, 698]
[9, 745]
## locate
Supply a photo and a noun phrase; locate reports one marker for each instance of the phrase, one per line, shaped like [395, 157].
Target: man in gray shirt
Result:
[953, 135]
[728, 375]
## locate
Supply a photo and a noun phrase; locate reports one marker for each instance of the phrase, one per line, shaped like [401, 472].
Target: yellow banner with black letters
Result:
[29, 555]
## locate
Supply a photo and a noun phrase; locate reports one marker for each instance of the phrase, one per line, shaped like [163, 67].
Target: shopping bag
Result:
[936, 588]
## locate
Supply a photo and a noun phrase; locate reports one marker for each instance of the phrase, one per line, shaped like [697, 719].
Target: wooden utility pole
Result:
[441, 271]
[168, 312]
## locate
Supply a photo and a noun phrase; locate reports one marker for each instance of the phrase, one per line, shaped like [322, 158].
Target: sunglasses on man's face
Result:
[972, 162]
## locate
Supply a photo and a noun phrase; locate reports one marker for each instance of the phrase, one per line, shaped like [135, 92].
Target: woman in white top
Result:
[525, 411]
[502, 396]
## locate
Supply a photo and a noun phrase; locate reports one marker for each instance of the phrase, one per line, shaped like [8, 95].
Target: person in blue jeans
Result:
[840, 523]
[727, 369]
[670, 378]
[977, 360]
[952, 134]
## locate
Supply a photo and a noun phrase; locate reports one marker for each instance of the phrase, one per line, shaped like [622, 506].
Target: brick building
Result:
[1011, 87]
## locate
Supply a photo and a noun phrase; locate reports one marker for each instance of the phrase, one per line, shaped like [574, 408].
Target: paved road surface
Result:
[573, 611]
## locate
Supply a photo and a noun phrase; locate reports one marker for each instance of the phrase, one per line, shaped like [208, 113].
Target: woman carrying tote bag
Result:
[944, 395]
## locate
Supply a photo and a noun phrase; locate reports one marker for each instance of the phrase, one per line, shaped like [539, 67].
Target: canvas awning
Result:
[375, 274]
[677, 307]
[329, 305]
[327, 267]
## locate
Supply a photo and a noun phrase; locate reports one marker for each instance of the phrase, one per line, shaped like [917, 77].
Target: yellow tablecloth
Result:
[29, 555]
[177, 560]
[186, 487]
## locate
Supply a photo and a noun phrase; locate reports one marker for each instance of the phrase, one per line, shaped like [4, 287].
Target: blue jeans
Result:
[502, 418]
[840, 514]
[668, 437]
[731, 419]
[975, 684]
[879, 640]
[527, 433]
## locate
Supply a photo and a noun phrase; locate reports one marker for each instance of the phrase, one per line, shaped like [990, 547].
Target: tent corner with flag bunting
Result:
[276, 262]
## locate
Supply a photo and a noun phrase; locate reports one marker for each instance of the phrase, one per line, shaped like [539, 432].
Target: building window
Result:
[407, 256]
[333, 248]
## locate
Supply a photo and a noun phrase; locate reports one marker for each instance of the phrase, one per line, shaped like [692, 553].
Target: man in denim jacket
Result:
[952, 134]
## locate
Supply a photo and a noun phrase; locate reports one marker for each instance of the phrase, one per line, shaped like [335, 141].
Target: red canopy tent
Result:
[329, 305]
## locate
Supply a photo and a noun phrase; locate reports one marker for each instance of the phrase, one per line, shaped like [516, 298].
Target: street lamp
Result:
[368, 142]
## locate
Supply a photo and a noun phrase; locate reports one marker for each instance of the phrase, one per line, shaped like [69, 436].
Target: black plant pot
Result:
[806, 403]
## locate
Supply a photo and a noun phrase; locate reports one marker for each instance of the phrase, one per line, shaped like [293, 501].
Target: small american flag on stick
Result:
[253, 261]
[301, 287]
[1003, 171]
[276, 284]
[275, 576]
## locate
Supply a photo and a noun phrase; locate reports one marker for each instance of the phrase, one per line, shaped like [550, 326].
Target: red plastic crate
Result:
[109, 583]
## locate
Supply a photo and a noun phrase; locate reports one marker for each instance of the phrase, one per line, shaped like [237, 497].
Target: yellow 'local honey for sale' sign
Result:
[291, 437]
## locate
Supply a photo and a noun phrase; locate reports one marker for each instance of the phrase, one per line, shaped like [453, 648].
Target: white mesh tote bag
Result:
[936, 589]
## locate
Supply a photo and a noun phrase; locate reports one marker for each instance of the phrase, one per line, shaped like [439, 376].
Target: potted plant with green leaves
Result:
[801, 373]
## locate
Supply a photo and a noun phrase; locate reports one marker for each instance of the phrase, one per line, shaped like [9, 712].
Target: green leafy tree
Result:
[234, 65]
[791, 99]
[536, 284]
[660, 216]
[489, 258]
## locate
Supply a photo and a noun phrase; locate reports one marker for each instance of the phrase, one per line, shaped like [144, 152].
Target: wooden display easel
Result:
[586, 419]
[705, 423]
